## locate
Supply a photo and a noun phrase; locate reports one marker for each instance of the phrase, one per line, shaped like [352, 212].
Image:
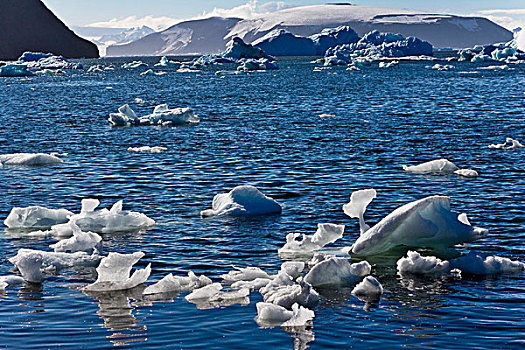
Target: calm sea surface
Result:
[263, 129]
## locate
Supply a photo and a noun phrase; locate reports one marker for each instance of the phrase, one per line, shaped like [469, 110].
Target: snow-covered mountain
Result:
[104, 37]
[211, 35]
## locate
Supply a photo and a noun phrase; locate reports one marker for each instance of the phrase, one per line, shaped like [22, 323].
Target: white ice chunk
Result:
[428, 222]
[466, 172]
[359, 200]
[391, 64]
[293, 268]
[36, 217]
[154, 149]
[3, 285]
[241, 201]
[134, 65]
[205, 292]
[318, 257]
[300, 317]
[230, 295]
[271, 313]
[508, 144]
[29, 266]
[150, 72]
[419, 265]
[53, 261]
[337, 272]
[29, 159]
[163, 115]
[125, 116]
[281, 280]
[166, 285]
[301, 293]
[481, 264]
[193, 282]
[325, 234]
[10, 280]
[369, 286]
[108, 221]
[442, 166]
[257, 283]
[114, 273]
[88, 242]
[244, 274]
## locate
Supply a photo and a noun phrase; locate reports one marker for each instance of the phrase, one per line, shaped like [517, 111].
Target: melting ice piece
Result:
[388, 64]
[10, 281]
[369, 286]
[163, 115]
[268, 313]
[125, 116]
[359, 200]
[257, 283]
[293, 268]
[205, 292]
[150, 72]
[244, 274]
[318, 257]
[482, 264]
[29, 266]
[88, 242]
[242, 201]
[114, 273]
[58, 261]
[29, 159]
[427, 222]
[134, 64]
[164, 62]
[508, 144]
[108, 221]
[154, 149]
[36, 217]
[165, 285]
[419, 265]
[466, 173]
[325, 234]
[442, 166]
[337, 272]
[301, 293]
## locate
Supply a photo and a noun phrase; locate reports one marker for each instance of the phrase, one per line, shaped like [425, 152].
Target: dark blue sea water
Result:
[263, 129]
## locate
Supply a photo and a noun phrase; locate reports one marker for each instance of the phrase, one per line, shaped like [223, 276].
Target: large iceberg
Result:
[29, 159]
[47, 61]
[114, 273]
[162, 115]
[242, 201]
[280, 42]
[511, 51]
[332, 37]
[325, 234]
[108, 221]
[15, 70]
[483, 264]
[36, 217]
[428, 222]
[337, 271]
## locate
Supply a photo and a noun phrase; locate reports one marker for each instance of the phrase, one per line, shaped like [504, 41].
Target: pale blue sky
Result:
[82, 12]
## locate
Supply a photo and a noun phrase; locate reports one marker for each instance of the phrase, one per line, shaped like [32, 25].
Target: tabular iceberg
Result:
[337, 271]
[442, 166]
[36, 217]
[281, 42]
[428, 222]
[114, 273]
[242, 201]
[325, 234]
[29, 159]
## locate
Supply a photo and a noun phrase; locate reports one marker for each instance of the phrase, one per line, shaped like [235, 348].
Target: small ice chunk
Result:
[150, 72]
[257, 283]
[125, 116]
[301, 293]
[193, 282]
[300, 317]
[134, 65]
[466, 172]
[154, 149]
[164, 62]
[438, 166]
[205, 292]
[282, 279]
[325, 234]
[53, 261]
[268, 313]
[29, 159]
[337, 272]
[36, 217]
[419, 265]
[114, 273]
[165, 285]
[10, 280]
[293, 268]
[369, 286]
[230, 295]
[481, 264]
[88, 242]
[3, 285]
[242, 201]
[318, 257]
[508, 144]
[163, 115]
[29, 266]
[244, 274]
[359, 200]
[388, 64]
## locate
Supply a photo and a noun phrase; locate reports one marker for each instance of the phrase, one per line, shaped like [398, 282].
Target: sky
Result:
[160, 14]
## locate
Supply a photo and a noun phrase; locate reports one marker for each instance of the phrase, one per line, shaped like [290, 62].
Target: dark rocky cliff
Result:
[28, 25]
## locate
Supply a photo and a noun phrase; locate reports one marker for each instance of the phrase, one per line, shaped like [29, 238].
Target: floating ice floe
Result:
[318, 257]
[285, 293]
[369, 287]
[108, 221]
[508, 144]
[212, 296]
[47, 61]
[293, 268]
[271, 314]
[162, 115]
[88, 242]
[326, 115]
[36, 217]
[172, 283]
[251, 64]
[10, 281]
[416, 264]
[55, 261]
[29, 266]
[390, 64]
[337, 271]
[15, 70]
[245, 274]
[325, 234]
[441, 67]
[154, 149]
[134, 65]
[439, 166]
[114, 273]
[164, 62]
[96, 69]
[242, 201]
[428, 222]
[501, 67]
[257, 283]
[151, 72]
[466, 172]
[503, 52]
[29, 159]
[205, 292]
[476, 263]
